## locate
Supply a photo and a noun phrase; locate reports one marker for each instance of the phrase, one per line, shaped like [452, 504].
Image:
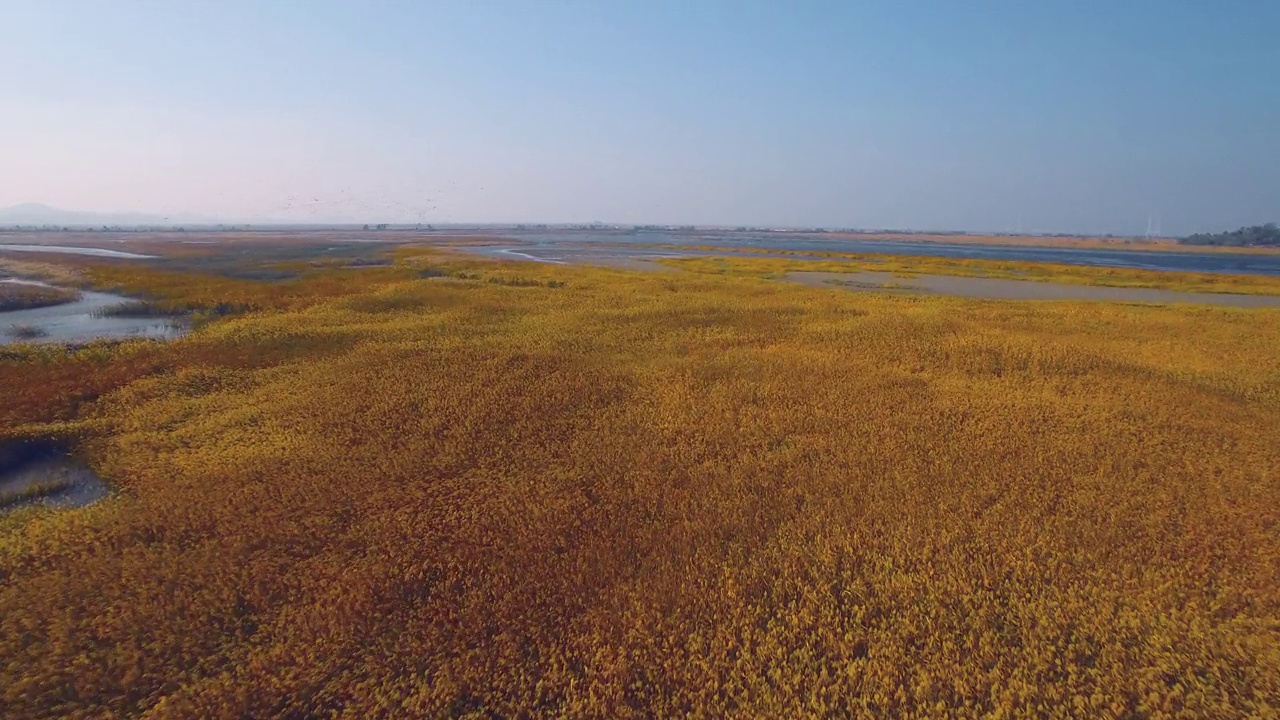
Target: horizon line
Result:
[527, 226]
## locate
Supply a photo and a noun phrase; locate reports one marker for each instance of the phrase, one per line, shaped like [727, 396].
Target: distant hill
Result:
[1258, 235]
[41, 215]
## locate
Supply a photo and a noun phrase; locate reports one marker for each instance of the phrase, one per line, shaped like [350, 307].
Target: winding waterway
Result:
[70, 250]
[588, 246]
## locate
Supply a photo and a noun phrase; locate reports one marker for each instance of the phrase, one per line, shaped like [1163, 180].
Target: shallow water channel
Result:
[72, 250]
[78, 321]
[575, 246]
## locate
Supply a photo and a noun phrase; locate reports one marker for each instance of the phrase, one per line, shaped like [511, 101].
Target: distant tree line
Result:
[1267, 234]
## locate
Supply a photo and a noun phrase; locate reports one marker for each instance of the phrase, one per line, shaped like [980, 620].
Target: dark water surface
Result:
[34, 472]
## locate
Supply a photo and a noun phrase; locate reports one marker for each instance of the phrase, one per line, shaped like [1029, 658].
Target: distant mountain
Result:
[38, 214]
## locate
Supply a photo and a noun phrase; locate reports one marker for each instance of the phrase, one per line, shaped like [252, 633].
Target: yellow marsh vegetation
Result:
[64, 273]
[555, 491]
[738, 261]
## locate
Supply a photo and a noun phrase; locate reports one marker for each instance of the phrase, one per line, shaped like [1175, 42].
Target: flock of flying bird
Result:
[349, 206]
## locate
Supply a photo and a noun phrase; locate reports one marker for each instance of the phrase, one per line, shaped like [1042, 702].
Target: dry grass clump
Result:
[65, 271]
[134, 309]
[634, 495]
[14, 497]
[18, 296]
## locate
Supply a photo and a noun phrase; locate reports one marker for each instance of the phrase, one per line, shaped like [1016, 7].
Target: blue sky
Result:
[1053, 116]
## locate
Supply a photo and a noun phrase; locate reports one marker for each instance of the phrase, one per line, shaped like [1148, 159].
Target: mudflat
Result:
[1002, 289]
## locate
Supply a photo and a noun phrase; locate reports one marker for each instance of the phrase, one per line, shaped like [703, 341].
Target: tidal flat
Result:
[1004, 289]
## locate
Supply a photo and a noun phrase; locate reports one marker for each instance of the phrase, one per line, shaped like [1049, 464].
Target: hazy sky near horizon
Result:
[1052, 115]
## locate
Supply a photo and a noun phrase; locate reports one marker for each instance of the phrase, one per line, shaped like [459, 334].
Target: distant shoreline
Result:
[395, 234]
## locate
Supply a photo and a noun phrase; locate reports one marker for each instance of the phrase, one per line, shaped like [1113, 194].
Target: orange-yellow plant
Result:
[573, 492]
